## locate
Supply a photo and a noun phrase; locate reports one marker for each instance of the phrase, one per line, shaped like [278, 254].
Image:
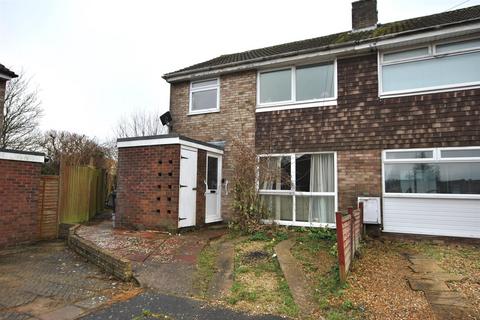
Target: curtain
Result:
[322, 179]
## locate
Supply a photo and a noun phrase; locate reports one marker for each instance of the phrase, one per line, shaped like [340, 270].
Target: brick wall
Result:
[19, 201]
[201, 177]
[235, 121]
[359, 174]
[148, 182]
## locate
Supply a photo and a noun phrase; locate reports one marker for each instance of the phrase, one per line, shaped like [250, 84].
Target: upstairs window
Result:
[297, 85]
[204, 96]
[434, 67]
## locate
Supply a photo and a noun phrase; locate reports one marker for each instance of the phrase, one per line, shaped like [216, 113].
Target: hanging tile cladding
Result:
[362, 120]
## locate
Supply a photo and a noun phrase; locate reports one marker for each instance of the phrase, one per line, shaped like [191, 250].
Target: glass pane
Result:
[212, 173]
[201, 84]
[315, 82]
[276, 86]
[459, 178]
[450, 70]
[411, 178]
[401, 55]
[467, 153]
[203, 100]
[315, 209]
[279, 207]
[456, 46]
[446, 178]
[409, 155]
[315, 173]
[302, 172]
[275, 173]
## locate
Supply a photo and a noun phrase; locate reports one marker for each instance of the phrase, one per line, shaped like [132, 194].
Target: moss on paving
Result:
[206, 268]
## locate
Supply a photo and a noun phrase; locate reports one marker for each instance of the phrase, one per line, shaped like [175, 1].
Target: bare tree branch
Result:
[139, 124]
[21, 116]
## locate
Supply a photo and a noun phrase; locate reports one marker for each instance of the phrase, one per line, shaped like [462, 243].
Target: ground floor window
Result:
[436, 171]
[299, 189]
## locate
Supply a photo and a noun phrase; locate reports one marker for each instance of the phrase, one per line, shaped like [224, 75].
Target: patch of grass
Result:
[147, 314]
[259, 284]
[259, 236]
[206, 268]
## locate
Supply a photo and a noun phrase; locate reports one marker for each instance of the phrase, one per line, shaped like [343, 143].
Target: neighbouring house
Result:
[388, 114]
[19, 187]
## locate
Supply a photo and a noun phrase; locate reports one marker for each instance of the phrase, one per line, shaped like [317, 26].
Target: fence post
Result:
[340, 247]
[352, 233]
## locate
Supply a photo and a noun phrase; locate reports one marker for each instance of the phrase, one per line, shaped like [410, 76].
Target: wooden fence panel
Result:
[49, 207]
[82, 193]
[349, 235]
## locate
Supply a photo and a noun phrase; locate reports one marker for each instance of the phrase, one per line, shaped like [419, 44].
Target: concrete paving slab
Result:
[69, 312]
[427, 285]
[449, 298]
[296, 281]
[223, 279]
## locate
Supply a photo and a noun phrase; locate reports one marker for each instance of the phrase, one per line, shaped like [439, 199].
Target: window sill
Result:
[203, 112]
[427, 91]
[296, 105]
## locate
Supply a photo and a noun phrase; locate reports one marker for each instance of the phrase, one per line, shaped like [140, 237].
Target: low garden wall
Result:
[349, 234]
[118, 267]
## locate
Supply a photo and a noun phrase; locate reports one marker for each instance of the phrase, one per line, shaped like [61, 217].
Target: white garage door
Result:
[441, 217]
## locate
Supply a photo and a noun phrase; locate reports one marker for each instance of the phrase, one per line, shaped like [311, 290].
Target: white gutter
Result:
[392, 41]
[166, 141]
[19, 156]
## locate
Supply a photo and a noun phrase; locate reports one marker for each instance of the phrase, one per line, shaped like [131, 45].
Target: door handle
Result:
[183, 186]
[180, 219]
[213, 191]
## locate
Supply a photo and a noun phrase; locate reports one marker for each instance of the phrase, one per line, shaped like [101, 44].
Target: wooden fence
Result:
[48, 220]
[83, 191]
[349, 234]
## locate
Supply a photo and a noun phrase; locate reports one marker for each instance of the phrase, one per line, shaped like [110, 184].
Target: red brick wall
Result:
[144, 197]
[19, 201]
[234, 122]
[359, 174]
[201, 177]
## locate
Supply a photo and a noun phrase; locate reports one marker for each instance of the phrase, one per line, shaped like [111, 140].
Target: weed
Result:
[206, 268]
[259, 236]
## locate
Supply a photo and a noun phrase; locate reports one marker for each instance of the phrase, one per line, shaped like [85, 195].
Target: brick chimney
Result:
[364, 14]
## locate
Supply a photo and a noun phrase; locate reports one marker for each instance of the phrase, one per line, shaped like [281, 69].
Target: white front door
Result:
[213, 192]
[188, 188]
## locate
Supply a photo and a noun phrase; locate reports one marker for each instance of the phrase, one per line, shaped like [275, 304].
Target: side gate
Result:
[48, 214]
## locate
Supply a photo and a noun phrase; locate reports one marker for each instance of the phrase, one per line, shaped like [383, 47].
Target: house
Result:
[389, 111]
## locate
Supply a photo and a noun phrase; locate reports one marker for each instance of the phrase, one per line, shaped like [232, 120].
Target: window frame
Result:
[437, 158]
[294, 193]
[293, 102]
[432, 54]
[205, 88]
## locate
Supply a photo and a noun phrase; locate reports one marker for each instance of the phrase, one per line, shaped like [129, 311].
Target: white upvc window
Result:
[442, 66]
[299, 189]
[204, 96]
[297, 85]
[432, 172]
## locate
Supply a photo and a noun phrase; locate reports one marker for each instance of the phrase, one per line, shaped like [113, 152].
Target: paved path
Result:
[431, 279]
[295, 278]
[173, 307]
[48, 281]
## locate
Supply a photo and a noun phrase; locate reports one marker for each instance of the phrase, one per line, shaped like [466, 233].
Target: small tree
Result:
[21, 116]
[139, 124]
[71, 148]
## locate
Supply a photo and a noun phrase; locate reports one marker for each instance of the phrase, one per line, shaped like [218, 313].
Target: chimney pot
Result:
[364, 14]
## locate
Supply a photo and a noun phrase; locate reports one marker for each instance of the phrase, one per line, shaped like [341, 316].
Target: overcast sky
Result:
[96, 60]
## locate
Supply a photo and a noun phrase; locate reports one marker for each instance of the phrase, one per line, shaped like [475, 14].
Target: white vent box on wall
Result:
[371, 210]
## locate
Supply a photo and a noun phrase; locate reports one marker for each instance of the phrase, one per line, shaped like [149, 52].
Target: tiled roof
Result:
[343, 38]
[5, 71]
